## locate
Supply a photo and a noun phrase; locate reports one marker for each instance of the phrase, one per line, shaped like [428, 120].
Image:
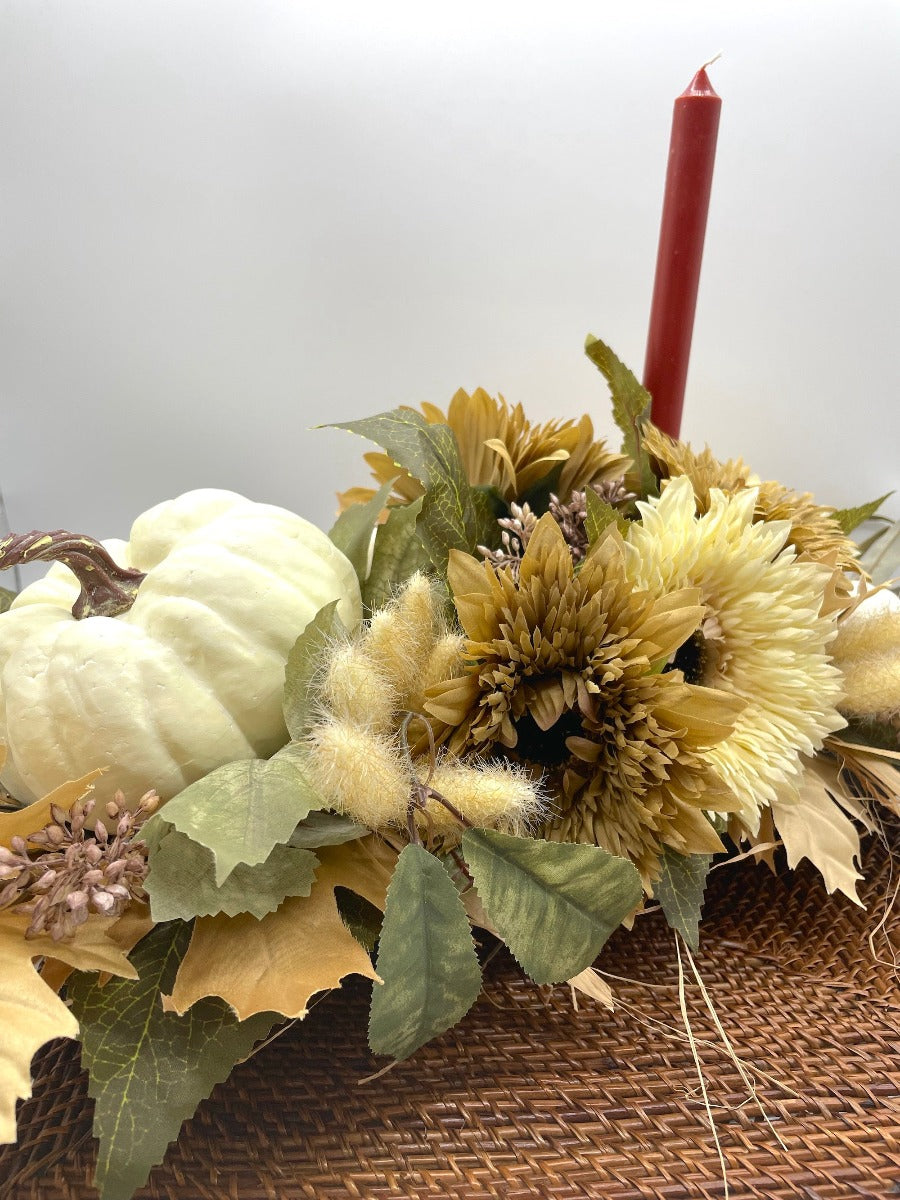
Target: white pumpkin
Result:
[191, 675]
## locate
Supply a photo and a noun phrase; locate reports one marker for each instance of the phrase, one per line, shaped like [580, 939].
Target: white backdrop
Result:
[224, 223]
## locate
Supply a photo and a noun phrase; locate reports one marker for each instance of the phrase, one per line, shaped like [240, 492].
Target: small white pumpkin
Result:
[188, 674]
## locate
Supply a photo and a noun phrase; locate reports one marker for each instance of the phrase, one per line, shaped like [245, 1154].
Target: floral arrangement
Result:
[529, 685]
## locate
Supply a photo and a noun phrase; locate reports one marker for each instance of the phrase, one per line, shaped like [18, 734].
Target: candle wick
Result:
[709, 62]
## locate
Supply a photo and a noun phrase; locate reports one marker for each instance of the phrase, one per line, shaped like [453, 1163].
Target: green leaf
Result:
[397, 555]
[326, 829]
[304, 665]
[454, 519]
[454, 514]
[882, 558]
[426, 958]
[242, 810]
[400, 434]
[182, 880]
[877, 735]
[850, 518]
[554, 904]
[630, 406]
[352, 531]
[6, 599]
[149, 1069]
[680, 892]
[600, 515]
[361, 917]
[537, 497]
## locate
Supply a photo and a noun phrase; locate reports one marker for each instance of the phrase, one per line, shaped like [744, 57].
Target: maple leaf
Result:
[31, 1013]
[277, 963]
[811, 825]
[149, 1070]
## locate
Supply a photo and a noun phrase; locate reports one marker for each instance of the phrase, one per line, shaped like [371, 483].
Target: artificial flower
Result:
[502, 449]
[561, 670]
[763, 638]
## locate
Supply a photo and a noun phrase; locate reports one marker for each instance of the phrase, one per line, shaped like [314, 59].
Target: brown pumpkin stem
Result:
[106, 588]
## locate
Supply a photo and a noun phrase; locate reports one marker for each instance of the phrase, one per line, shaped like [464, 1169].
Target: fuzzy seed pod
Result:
[867, 650]
[401, 636]
[443, 663]
[359, 773]
[491, 796]
[357, 691]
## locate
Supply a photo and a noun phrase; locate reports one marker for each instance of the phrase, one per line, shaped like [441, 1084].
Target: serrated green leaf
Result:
[242, 810]
[397, 555]
[303, 667]
[426, 958]
[630, 407]
[182, 880]
[454, 514]
[680, 892]
[326, 829]
[6, 599]
[149, 1069]
[600, 515]
[398, 432]
[850, 518]
[554, 904]
[352, 531]
[454, 519]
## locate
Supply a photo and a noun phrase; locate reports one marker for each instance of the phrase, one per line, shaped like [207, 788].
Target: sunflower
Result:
[763, 638]
[561, 670]
[501, 448]
[813, 532]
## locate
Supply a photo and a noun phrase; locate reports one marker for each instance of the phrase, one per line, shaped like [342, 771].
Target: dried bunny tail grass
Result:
[401, 636]
[445, 662]
[490, 795]
[357, 691]
[360, 773]
[867, 651]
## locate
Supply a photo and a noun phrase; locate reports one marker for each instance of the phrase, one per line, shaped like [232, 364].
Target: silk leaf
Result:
[554, 904]
[426, 958]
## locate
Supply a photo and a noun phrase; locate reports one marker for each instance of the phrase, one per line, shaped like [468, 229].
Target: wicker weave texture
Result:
[529, 1098]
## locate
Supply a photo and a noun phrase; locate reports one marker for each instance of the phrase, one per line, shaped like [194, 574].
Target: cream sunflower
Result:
[813, 532]
[560, 670]
[763, 638]
[501, 448]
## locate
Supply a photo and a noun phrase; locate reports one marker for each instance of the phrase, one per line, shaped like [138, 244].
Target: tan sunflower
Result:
[813, 530]
[561, 670]
[501, 448]
[763, 638]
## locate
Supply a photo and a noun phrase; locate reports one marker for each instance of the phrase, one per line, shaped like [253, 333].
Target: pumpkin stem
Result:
[106, 588]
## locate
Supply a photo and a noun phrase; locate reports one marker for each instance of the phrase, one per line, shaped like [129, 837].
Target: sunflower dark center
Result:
[691, 659]
[546, 747]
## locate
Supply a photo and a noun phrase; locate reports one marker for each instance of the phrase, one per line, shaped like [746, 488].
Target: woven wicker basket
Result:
[528, 1097]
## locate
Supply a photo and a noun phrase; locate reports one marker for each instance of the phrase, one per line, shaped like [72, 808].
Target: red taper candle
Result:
[692, 155]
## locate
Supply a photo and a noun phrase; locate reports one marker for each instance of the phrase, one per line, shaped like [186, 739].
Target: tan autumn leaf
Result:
[28, 820]
[31, 1013]
[811, 825]
[591, 983]
[277, 963]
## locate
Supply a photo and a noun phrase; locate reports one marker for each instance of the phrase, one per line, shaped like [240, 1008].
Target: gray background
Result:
[224, 223]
